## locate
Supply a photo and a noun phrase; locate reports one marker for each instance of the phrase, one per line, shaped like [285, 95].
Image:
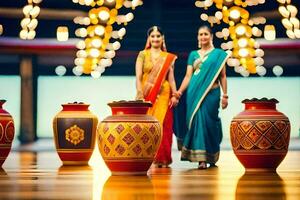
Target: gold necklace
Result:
[154, 56]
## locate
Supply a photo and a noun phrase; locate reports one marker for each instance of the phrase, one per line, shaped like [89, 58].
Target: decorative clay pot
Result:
[129, 139]
[74, 133]
[7, 131]
[260, 135]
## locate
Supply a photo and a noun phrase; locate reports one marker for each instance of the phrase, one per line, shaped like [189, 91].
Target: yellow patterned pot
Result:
[74, 133]
[260, 135]
[129, 139]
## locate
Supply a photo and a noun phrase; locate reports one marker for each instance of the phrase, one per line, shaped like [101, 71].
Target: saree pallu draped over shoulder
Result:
[157, 90]
[157, 75]
[202, 141]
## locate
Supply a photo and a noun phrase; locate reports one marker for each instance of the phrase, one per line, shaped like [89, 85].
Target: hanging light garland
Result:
[29, 22]
[100, 41]
[1, 29]
[246, 57]
[289, 20]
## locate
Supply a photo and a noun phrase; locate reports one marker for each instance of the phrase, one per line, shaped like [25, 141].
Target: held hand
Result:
[178, 94]
[224, 103]
[139, 95]
[173, 102]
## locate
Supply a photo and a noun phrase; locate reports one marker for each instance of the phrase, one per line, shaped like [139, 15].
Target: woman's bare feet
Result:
[161, 165]
[202, 165]
[212, 165]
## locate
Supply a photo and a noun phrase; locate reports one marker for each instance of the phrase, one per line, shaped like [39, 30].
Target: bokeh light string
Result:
[289, 18]
[246, 56]
[100, 37]
[30, 22]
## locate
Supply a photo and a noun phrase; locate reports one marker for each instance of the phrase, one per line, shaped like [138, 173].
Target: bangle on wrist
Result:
[225, 96]
[175, 95]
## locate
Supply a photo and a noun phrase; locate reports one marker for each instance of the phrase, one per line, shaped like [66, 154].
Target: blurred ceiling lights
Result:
[246, 56]
[100, 41]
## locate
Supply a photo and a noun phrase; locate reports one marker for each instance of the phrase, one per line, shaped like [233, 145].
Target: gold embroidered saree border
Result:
[199, 155]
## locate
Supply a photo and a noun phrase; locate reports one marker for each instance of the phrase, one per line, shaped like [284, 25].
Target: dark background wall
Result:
[178, 19]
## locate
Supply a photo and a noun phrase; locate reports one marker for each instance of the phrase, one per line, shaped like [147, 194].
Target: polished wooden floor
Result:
[40, 175]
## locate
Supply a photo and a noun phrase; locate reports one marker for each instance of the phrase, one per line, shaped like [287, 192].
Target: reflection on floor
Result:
[40, 175]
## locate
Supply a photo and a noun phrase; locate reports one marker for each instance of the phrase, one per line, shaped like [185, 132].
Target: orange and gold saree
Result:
[157, 90]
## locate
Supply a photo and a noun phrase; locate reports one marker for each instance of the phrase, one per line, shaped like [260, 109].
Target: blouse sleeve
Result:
[191, 59]
[141, 55]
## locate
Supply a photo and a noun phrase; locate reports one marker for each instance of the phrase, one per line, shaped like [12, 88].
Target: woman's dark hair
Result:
[206, 27]
[157, 28]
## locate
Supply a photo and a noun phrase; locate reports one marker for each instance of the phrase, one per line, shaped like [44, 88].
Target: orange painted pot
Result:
[129, 139]
[7, 131]
[260, 135]
[74, 133]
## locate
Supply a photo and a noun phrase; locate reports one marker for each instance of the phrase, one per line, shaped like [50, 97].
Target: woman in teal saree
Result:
[205, 77]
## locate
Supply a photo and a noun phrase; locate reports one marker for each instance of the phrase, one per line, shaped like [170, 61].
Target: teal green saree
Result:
[202, 142]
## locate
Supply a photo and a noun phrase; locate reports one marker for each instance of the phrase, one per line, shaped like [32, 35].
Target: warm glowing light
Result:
[110, 54]
[129, 17]
[259, 61]
[297, 33]
[29, 23]
[25, 22]
[79, 61]
[240, 30]
[204, 17]
[31, 35]
[103, 15]
[94, 53]
[81, 32]
[261, 71]
[1, 29]
[234, 14]
[277, 70]
[95, 74]
[96, 50]
[27, 9]
[269, 32]
[121, 32]
[81, 54]
[35, 11]
[62, 33]
[295, 22]
[292, 9]
[287, 24]
[99, 30]
[283, 11]
[219, 15]
[116, 45]
[60, 70]
[242, 42]
[80, 44]
[37, 1]
[290, 34]
[243, 52]
[33, 24]
[78, 70]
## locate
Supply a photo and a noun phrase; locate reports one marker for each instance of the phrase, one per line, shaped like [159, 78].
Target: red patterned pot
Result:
[74, 133]
[7, 131]
[260, 135]
[129, 139]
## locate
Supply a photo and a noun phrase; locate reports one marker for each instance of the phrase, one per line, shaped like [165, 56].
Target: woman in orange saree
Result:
[155, 82]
